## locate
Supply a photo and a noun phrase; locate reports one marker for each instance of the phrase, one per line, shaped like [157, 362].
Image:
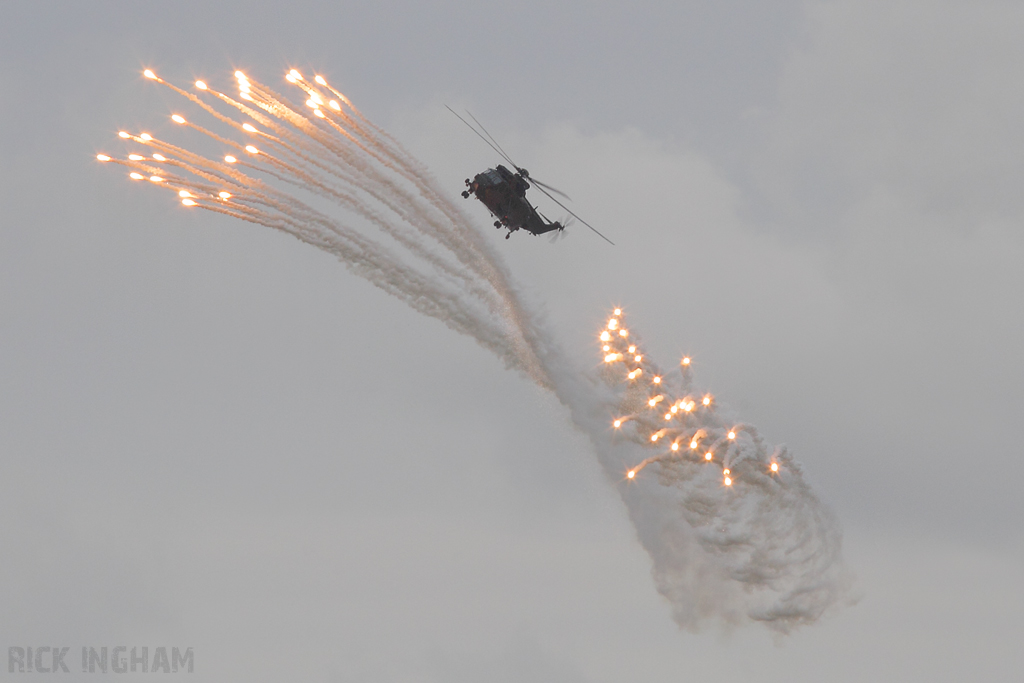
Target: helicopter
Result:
[504, 193]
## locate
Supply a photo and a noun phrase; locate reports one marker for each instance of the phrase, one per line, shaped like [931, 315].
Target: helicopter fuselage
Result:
[504, 194]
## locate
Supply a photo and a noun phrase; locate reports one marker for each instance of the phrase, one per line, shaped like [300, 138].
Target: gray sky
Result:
[215, 436]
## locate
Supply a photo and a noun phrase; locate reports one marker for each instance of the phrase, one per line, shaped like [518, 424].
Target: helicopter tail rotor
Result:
[560, 233]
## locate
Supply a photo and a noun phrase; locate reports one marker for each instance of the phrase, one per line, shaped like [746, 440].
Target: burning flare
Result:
[741, 515]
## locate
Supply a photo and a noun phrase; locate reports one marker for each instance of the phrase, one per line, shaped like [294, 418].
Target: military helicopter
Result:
[504, 193]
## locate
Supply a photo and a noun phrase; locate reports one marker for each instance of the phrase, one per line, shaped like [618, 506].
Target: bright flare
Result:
[732, 435]
[612, 324]
[124, 135]
[156, 179]
[320, 79]
[148, 74]
[618, 311]
[775, 467]
[160, 157]
[146, 136]
[184, 193]
[177, 119]
[230, 159]
[135, 176]
[708, 456]
[334, 105]
[188, 202]
[248, 127]
[631, 474]
[136, 157]
[686, 361]
[200, 85]
[728, 481]
[224, 195]
[103, 157]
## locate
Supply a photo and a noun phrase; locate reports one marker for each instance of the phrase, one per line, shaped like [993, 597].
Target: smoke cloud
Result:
[734, 533]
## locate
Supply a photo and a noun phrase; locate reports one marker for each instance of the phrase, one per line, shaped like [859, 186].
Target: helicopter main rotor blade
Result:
[575, 216]
[500, 150]
[480, 135]
[522, 172]
[553, 189]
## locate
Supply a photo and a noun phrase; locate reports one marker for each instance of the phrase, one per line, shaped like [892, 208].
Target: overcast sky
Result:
[212, 435]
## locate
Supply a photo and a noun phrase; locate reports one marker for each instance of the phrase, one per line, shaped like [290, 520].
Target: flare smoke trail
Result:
[733, 531]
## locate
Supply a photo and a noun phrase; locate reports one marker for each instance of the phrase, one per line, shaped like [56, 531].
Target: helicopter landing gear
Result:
[508, 235]
[465, 195]
[497, 224]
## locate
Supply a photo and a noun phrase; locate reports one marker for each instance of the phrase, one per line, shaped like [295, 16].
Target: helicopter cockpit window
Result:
[492, 177]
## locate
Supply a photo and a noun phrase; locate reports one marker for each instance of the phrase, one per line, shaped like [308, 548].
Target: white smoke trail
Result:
[733, 529]
[734, 532]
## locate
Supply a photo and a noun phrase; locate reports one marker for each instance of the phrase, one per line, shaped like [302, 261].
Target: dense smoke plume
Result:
[733, 531]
